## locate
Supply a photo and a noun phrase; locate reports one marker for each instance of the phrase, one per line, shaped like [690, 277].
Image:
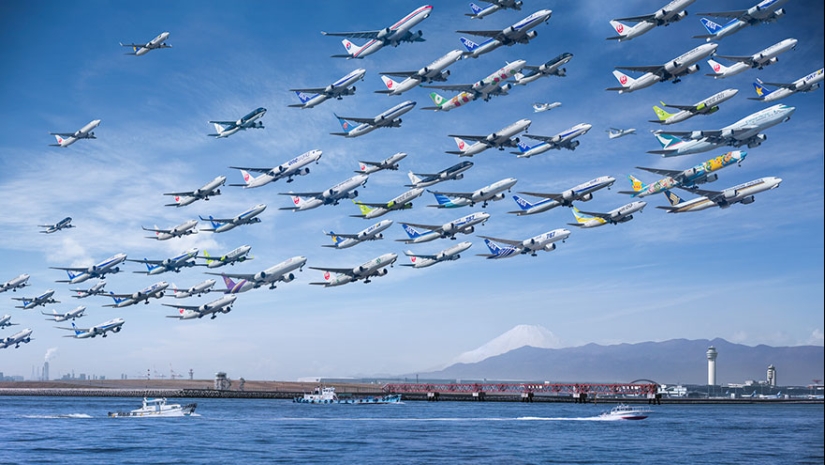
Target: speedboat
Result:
[626, 412]
[158, 408]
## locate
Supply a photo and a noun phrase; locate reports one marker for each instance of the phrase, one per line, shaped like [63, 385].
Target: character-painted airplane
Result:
[673, 146]
[615, 133]
[545, 241]
[125, 300]
[375, 267]
[42, 299]
[622, 214]
[583, 192]
[183, 229]
[689, 178]
[542, 107]
[670, 13]
[390, 163]
[188, 197]
[188, 312]
[16, 339]
[71, 137]
[393, 35]
[114, 326]
[199, 289]
[499, 139]
[238, 255]
[743, 193]
[805, 84]
[65, 223]
[518, 33]
[495, 5]
[435, 71]
[428, 179]
[154, 44]
[424, 260]
[80, 274]
[493, 192]
[220, 225]
[343, 190]
[270, 276]
[288, 169]
[759, 60]
[387, 119]
[765, 11]
[97, 289]
[402, 201]
[447, 104]
[494, 84]
[464, 225]
[176, 263]
[77, 312]
[5, 321]
[372, 233]
[15, 283]
[673, 69]
[312, 96]
[248, 121]
[702, 107]
[551, 68]
[561, 140]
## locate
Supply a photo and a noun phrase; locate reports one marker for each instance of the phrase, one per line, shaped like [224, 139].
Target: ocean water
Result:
[76, 430]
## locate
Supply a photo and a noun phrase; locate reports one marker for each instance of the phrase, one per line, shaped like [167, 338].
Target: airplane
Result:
[464, 225]
[435, 71]
[765, 11]
[97, 289]
[5, 321]
[114, 326]
[673, 69]
[499, 139]
[183, 260]
[238, 255]
[188, 197]
[80, 274]
[220, 225]
[746, 131]
[312, 96]
[689, 178]
[287, 169]
[495, 5]
[428, 179]
[65, 223]
[805, 84]
[154, 44]
[673, 146]
[702, 107]
[668, 14]
[486, 194]
[343, 190]
[493, 84]
[77, 312]
[545, 241]
[372, 233]
[447, 104]
[550, 68]
[71, 137]
[16, 339]
[517, 33]
[198, 289]
[270, 276]
[450, 253]
[183, 229]
[615, 133]
[528, 208]
[15, 283]
[375, 267]
[622, 214]
[402, 201]
[393, 35]
[249, 121]
[541, 107]
[743, 193]
[390, 163]
[386, 119]
[582, 192]
[188, 312]
[759, 60]
[561, 140]
[125, 300]
[42, 299]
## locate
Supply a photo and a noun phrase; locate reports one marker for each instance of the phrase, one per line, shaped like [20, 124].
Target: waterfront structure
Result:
[712, 354]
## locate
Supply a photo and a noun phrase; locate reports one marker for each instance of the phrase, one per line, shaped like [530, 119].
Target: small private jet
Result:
[615, 133]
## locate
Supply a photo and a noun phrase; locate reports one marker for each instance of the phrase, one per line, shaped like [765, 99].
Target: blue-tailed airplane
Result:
[176, 263]
[765, 11]
[42, 299]
[622, 214]
[428, 179]
[518, 33]
[583, 192]
[154, 44]
[805, 84]
[101, 329]
[543, 242]
[390, 118]
[65, 223]
[550, 68]
[393, 35]
[125, 300]
[464, 225]
[486, 194]
[312, 96]
[689, 178]
[561, 140]
[372, 233]
[248, 121]
[79, 274]
[21, 337]
[220, 225]
[453, 252]
[495, 5]
[287, 169]
[15, 283]
[743, 193]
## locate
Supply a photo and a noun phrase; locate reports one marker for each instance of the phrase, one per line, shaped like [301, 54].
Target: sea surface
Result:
[76, 430]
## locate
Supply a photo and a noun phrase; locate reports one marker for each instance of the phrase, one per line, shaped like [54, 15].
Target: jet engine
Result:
[625, 219]
[288, 278]
[672, 66]
[382, 272]
[239, 122]
[116, 329]
[679, 16]
[491, 137]
[568, 195]
[531, 35]
[550, 247]
[226, 309]
[692, 69]
[166, 262]
[587, 197]
[469, 230]
[770, 62]
[302, 172]
[382, 34]
[352, 194]
[329, 193]
[459, 176]
[517, 5]
[379, 236]
[748, 199]
[506, 87]
[574, 144]
[509, 31]
[697, 135]
[779, 12]
[423, 71]
[660, 14]
[757, 140]
[259, 276]
[498, 196]
[712, 177]
[328, 89]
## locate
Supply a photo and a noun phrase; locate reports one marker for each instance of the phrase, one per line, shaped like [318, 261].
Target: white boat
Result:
[326, 395]
[626, 412]
[158, 408]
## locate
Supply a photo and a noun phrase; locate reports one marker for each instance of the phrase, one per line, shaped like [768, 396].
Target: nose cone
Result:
[586, 127]
[777, 182]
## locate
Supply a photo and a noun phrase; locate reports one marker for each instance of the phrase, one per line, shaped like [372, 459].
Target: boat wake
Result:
[68, 415]
[598, 418]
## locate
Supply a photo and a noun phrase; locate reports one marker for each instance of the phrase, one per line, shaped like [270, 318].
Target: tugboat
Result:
[326, 395]
[158, 408]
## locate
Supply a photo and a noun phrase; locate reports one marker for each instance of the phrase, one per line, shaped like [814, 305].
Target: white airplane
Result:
[312, 96]
[375, 267]
[447, 104]
[71, 137]
[188, 197]
[393, 35]
[518, 33]
[493, 192]
[450, 253]
[673, 146]
[188, 312]
[428, 179]
[759, 60]
[270, 276]
[14, 284]
[493, 84]
[42, 299]
[702, 107]
[402, 201]
[464, 225]
[615, 133]
[199, 289]
[220, 225]
[154, 44]
[545, 241]
[499, 139]
[176, 263]
[387, 119]
[248, 121]
[65, 223]
[343, 190]
[542, 107]
[114, 326]
[583, 192]
[673, 69]
[183, 229]
[805, 84]
[390, 163]
[80, 274]
[287, 169]
[561, 140]
[97, 289]
[372, 233]
[237, 255]
[670, 13]
[551, 68]
[77, 312]
[743, 193]
[125, 300]
[619, 215]
[5, 321]
[495, 5]
[16, 339]
[765, 11]
[435, 71]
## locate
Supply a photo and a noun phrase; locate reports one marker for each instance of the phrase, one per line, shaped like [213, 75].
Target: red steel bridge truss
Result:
[575, 390]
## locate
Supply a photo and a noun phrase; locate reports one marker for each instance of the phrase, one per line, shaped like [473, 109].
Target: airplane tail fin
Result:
[247, 178]
[345, 125]
[495, 249]
[712, 27]
[718, 68]
[335, 239]
[351, 48]
[59, 139]
[414, 180]
[581, 218]
[228, 282]
[72, 275]
[461, 144]
[661, 114]
[475, 9]
[624, 79]
[389, 83]
[214, 223]
[437, 99]
[412, 232]
[303, 97]
[666, 140]
[522, 203]
[672, 198]
[468, 44]
[364, 209]
[150, 267]
[76, 331]
[620, 29]
[209, 259]
[636, 183]
[442, 199]
[117, 299]
[761, 90]
[218, 129]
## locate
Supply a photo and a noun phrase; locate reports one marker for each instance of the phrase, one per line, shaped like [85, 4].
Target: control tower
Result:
[712, 354]
[771, 375]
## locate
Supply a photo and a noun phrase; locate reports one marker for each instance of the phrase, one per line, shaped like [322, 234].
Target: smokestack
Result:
[45, 371]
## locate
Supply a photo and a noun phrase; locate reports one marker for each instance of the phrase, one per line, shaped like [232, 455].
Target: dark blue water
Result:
[77, 430]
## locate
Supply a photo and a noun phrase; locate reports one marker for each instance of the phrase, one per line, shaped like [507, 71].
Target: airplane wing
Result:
[642, 69]
[345, 236]
[248, 277]
[663, 172]
[491, 34]
[357, 120]
[431, 227]
[219, 220]
[225, 123]
[462, 195]
[505, 241]
[62, 134]
[636, 19]
[301, 194]
[779, 84]
[84, 330]
[132, 45]
[548, 139]
[410, 253]
[465, 137]
[680, 107]
[603, 216]
[725, 14]
[452, 87]
[257, 170]
[68, 268]
[354, 34]
[167, 231]
[311, 90]
[188, 193]
[557, 197]
[346, 271]
[711, 195]
[144, 260]
[193, 308]
[403, 74]
[742, 59]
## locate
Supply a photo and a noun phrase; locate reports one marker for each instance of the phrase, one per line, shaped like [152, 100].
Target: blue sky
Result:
[751, 274]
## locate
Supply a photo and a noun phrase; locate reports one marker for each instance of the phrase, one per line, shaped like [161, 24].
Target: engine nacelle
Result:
[518, 4]
[469, 230]
[712, 177]
[445, 74]
[692, 69]
[587, 197]
[568, 195]
[239, 122]
[625, 219]
[771, 61]
[550, 247]
[226, 310]
[328, 89]
[574, 144]
[329, 193]
[680, 16]
[459, 176]
[532, 35]
[382, 272]
[672, 66]
[166, 262]
[660, 14]
[757, 140]
[302, 172]
[748, 199]
[288, 278]
[352, 194]
[697, 134]
[350, 91]
[506, 87]
[116, 329]
[509, 31]
[379, 236]
[383, 33]
[423, 71]
[779, 12]
[259, 276]
[498, 196]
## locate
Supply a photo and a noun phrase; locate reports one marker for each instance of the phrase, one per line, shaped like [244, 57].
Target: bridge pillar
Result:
[478, 396]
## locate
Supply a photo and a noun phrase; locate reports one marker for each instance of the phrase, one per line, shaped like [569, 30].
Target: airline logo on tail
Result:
[76, 331]
[365, 210]
[761, 91]
[345, 125]
[638, 185]
[475, 8]
[711, 27]
[304, 98]
[412, 232]
[661, 114]
[522, 203]
[468, 44]
[437, 99]
[668, 140]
